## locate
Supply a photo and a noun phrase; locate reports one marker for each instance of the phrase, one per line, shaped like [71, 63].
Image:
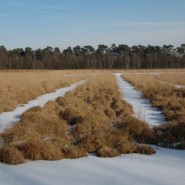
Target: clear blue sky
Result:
[63, 23]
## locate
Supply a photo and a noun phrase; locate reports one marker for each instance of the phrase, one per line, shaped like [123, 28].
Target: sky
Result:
[63, 23]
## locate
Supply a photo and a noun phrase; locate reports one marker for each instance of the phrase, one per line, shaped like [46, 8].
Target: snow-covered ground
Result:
[142, 107]
[166, 167]
[7, 119]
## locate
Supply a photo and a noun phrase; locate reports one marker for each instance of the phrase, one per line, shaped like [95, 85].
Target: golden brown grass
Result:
[144, 149]
[93, 118]
[168, 98]
[10, 155]
[175, 78]
[107, 152]
[162, 71]
[18, 87]
[40, 150]
[73, 152]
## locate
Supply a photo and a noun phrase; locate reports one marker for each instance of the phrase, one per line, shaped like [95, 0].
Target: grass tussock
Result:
[40, 150]
[138, 130]
[73, 152]
[172, 135]
[144, 149]
[10, 155]
[107, 152]
[93, 118]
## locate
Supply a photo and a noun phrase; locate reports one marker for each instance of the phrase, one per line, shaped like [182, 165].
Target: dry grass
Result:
[10, 155]
[73, 152]
[40, 150]
[162, 71]
[170, 100]
[144, 149]
[107, 152]
[93, 118]
[177, 78]
[18, 87]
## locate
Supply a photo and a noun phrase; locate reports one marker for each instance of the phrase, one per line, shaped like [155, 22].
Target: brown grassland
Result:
[170, 99]
[18, 87]
[92, 119]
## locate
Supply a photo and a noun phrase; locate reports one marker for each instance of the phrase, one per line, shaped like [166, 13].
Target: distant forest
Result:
[86, 57]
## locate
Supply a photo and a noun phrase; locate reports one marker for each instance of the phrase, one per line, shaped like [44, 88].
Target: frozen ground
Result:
[166, 167]
[141, 106]
[9, 118]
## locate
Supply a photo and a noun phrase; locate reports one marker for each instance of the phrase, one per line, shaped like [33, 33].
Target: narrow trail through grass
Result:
[142, 107]
[170, 100]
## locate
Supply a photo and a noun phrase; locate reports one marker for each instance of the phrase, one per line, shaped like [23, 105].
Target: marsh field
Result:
[97, 126]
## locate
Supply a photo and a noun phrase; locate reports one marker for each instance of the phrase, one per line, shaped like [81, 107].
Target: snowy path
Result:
[141, 106]
[164, 168]
[7, 119]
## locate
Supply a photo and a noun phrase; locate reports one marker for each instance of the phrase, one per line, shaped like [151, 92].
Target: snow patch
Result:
[164, 168]
[142, 107]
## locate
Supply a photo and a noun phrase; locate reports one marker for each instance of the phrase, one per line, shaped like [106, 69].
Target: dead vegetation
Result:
[18, 87]
[92, 119]
[172, 77]
[169, 99]
[10, 155]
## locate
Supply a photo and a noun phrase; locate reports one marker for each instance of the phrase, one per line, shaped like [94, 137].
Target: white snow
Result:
[142, 107]
[164, 168]
[7, 119]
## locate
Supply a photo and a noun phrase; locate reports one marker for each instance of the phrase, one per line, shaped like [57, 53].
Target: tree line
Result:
[87, 57]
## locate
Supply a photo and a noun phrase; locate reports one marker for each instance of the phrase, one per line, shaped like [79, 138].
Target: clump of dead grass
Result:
[172, 135]
[136, 129]
[144, 149]
[40, 150]
[73, 115]
[10, 155]
[107, 152]
[73, 152]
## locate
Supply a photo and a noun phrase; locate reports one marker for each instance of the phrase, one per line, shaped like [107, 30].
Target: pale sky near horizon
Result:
[63, 23]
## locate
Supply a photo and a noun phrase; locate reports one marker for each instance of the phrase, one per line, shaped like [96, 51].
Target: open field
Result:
[18, 87]
[92, 119]
[171, 76]
[99, 120]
